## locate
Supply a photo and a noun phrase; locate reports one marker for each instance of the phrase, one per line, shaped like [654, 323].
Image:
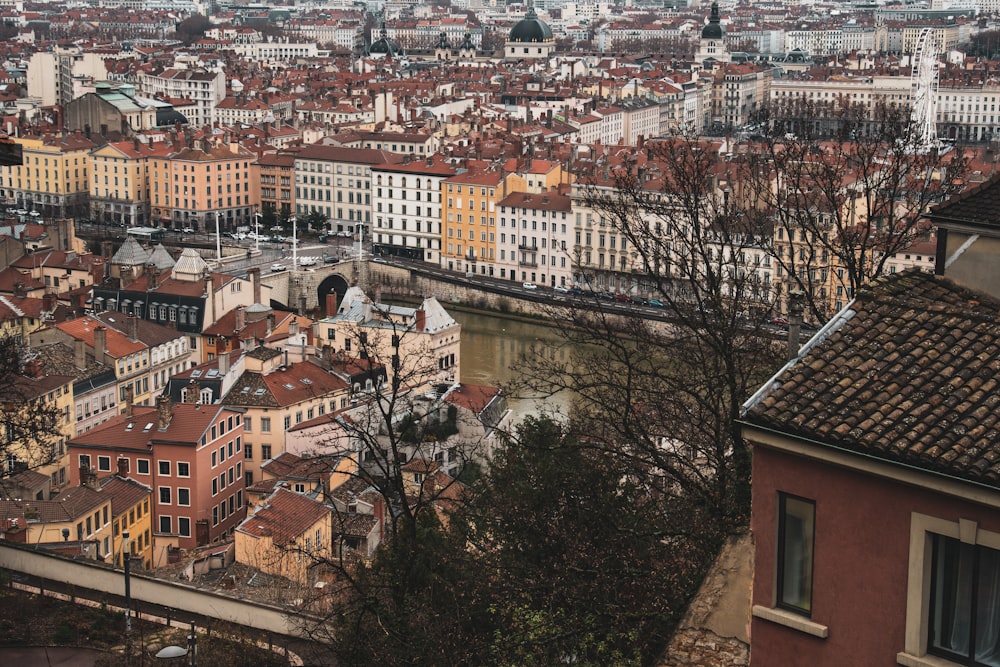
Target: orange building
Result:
[202, 182]
[275, 180]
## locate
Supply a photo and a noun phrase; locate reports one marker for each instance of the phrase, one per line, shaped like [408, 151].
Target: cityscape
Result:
[476, 333]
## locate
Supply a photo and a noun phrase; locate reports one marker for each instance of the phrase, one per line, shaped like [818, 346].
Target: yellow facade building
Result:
[53, 180]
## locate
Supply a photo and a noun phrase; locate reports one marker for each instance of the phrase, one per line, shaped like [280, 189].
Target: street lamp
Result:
[256, 222]
[127, 562]
[218, 240]
[173, 652]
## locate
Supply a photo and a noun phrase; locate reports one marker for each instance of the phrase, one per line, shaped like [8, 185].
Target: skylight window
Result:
[289, 386]
[259, 392]
[212, 373]
[306, 381]
[196, 374]
[246, 390]
[147, 427]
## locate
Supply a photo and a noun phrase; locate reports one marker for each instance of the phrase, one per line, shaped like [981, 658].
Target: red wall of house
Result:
[860, 563]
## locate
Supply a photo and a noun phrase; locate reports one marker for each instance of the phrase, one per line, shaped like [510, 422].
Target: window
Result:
[164, 524]
[796, 527]
[265, 452]
[163, 467]
[184, 497]
[183, 469]
[964, 602]
[164, 495]
[184, 526]
[104, 463]
[265, 424]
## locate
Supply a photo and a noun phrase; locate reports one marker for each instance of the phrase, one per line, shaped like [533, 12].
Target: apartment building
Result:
[469, 231]
[203, 184]
[536, 238]
[275, 393]
[336, 181]
[190, 454]
[273, 174]
[407, 202]
[204, 88]
[53, 179]
[119, 182]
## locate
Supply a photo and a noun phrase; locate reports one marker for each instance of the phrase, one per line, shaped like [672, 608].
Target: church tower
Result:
[712, 44]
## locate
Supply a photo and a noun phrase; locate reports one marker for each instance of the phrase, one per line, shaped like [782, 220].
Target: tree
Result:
[193, 28]
[395, 434]
[665, 397]
[30, 421]
[576, 561]
[842, 207]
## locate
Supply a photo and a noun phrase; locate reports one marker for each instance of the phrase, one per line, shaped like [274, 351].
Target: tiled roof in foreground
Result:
[911, 374]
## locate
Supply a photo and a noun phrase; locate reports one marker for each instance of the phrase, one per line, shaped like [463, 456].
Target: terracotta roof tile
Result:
[285, 517]
[910, 376]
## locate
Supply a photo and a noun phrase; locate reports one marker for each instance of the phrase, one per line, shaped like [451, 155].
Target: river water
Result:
[492, 347]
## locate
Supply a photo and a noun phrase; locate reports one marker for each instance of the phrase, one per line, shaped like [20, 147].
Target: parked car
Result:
[308, 260]
[188, 230]
[623, 298]
[560, 288]
[329, 259]
[655, 303]
[779, 321]
[277, 266]
[529, 285]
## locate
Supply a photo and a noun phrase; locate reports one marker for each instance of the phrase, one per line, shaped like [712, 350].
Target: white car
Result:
[307, 261]
[278, 267]
[560, 288]
[529, 285]
[188, 230]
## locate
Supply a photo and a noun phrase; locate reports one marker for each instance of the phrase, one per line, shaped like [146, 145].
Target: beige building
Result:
[418, 346]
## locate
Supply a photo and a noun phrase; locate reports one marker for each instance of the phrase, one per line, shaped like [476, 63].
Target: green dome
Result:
[530, 29]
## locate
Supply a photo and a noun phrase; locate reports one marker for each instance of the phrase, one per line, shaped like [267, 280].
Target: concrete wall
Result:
[145, 589]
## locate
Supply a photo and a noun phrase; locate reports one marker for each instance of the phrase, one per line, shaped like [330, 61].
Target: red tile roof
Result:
[189, 421]
[285, 517]
[909, 375]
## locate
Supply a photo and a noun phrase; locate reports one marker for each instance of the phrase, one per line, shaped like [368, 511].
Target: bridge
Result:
[307, 288]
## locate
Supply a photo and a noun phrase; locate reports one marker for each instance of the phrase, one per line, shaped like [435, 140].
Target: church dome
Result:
[384, 47]
[530, 29]
[713, 30]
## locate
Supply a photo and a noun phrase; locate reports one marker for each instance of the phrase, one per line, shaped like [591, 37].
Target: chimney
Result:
[254, 276]
[153, 276]
[331, 304]
[133, 327]
[270, 323]
[80, 354]
[293, 327]
[241, 318]
[88, 478]
[100, 344]
[106, 250]
[129, 396]
[122, 467]
[162, 412]
[224, 364]
[420, 319]
[48, 302]
[192, 393]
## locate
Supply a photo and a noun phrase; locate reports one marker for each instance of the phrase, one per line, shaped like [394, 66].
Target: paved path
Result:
[49, 657]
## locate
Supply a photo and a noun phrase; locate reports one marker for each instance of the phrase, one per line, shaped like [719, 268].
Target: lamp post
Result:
[218, 240]
[127, 562]
[295, 243]
[256, 223]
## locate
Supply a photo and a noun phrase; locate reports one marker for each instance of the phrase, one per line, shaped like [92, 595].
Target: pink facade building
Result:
[190, 454]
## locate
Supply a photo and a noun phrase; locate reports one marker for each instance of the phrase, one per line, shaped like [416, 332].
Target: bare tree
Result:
[30, 420]
[665, 394]
[842, 207]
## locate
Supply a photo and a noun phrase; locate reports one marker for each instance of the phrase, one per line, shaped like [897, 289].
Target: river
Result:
[492, 346]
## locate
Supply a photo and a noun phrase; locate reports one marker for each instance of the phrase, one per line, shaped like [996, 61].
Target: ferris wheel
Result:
[924, 89]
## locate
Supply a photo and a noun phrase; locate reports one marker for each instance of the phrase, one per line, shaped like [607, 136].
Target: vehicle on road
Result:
[560, 288]
[623, 298]
[329, 259]
[655, 303]
[378, 260]
[779, 321]
[529, 285]
[188, 230]
[277, 266]
[308, 260]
